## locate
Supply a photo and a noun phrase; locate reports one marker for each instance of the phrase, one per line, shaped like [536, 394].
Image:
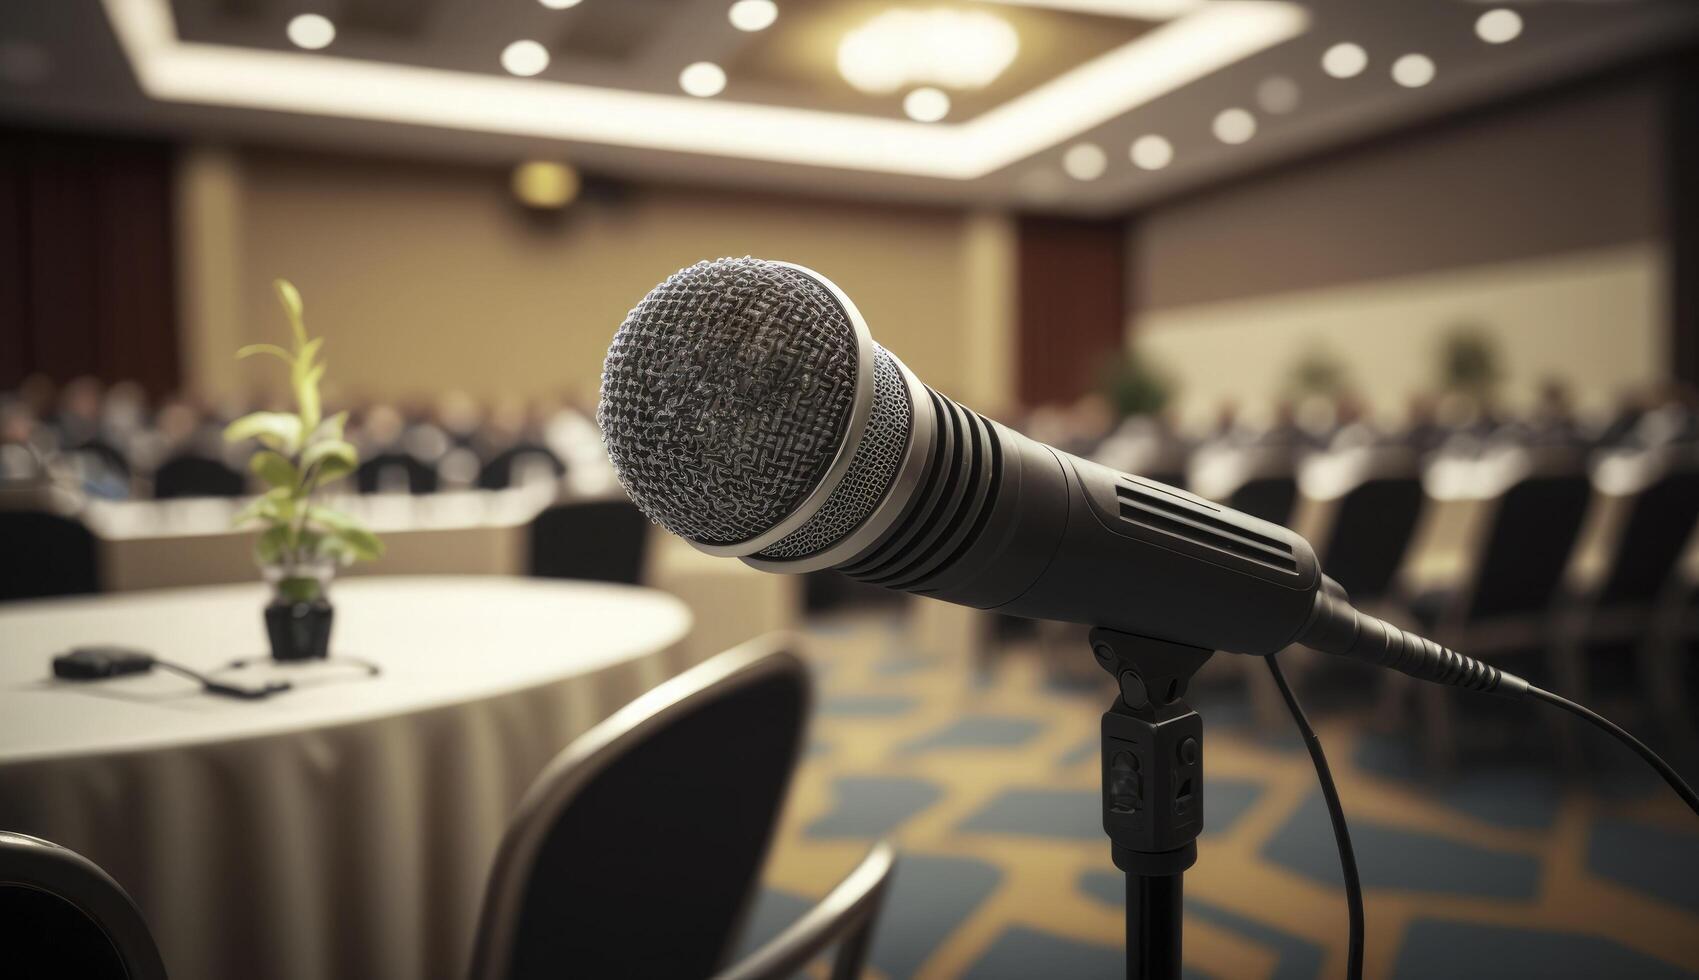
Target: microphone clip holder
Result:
[1152, 768]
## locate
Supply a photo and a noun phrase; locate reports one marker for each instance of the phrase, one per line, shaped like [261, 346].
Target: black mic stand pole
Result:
[1152, 789]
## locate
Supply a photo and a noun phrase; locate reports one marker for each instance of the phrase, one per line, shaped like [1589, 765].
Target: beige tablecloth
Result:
[342, 829]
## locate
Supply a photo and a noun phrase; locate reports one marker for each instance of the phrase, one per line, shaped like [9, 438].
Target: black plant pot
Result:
[299, 630]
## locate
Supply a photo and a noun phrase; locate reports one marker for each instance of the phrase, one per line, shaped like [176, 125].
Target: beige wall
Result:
[426, 278]
[1542, 222]
[1595, 319]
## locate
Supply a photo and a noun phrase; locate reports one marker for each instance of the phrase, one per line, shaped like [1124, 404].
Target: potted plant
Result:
[302, 541]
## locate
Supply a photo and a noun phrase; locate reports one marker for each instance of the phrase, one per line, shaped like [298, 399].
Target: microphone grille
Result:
[725, 395]
[871, 469]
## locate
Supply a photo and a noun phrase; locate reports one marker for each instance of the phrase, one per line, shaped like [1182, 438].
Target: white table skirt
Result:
[338, 830]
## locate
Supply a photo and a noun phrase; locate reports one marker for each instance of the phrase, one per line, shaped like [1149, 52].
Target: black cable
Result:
[1664, 769]
[217, 687]
[1335, 813]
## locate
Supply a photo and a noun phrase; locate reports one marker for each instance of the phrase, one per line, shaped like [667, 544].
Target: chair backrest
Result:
[197, 476]
[601, 540]
[1653, 538]
[638, 849]
[1527, 547]
[61, 913]
[46, 555]
[511, 464]
[1371, 531]
[396, 471]
[1268, 497]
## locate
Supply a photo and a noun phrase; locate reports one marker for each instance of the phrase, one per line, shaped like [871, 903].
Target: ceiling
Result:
[1052, 131]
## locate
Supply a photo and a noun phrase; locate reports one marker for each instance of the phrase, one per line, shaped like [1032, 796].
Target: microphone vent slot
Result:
[949, 510]
[1149, 508]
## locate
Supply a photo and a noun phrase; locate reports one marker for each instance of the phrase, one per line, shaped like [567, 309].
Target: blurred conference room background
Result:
[1419, 279]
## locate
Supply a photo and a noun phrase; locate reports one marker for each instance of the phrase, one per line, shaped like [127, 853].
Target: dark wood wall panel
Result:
[1072, 306]
[87, 276]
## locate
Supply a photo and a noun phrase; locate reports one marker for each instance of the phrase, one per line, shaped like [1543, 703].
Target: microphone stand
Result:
[1152, 745]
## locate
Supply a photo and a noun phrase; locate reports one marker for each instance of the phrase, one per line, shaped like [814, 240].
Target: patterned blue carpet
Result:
[986, 776]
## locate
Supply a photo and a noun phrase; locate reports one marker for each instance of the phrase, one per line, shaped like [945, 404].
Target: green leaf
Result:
[330, 428]
[307, 392]
[329, 460]
[345, 534]
[272, 349]
[271, 544]
[360, 542]
[299, 589]
[278, 430]
[274, 469]
[290, 297]
[273, 505]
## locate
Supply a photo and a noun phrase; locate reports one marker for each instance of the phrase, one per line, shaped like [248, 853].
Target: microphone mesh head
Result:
[725, 396]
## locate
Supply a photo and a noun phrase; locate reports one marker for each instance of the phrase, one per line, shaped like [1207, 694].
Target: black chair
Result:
[638, 851]
[499, 472]
[396, 471]
[1641, 598]
[1371, 531]
[47, 555]
[61, 916]
[192, 475]
[1271, 497]
[601, 540]
[1511, 597]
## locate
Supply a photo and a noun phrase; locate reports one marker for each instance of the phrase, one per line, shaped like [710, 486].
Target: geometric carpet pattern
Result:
[987, 780]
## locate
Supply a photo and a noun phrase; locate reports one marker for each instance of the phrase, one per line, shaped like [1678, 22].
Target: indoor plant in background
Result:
[302, 541]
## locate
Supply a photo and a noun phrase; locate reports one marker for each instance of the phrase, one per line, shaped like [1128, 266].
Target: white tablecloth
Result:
[343, 829]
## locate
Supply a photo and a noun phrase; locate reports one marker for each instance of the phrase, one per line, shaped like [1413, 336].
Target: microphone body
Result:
[999, 521]
[746, 407]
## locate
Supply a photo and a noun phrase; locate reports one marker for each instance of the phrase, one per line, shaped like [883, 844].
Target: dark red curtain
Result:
[87, 270]
[1072, 307]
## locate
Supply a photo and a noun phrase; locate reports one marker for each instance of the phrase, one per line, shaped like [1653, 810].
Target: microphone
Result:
[747, 409]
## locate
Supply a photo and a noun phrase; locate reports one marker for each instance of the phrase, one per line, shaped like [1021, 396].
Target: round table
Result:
[345, 827]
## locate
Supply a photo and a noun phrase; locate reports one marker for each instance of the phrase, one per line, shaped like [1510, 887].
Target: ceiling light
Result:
[525, 58]
[1277, 94]
[1345, 60]
[1085, 161]
[926, 104]
[1234, 126]
[1499, 26]
[753, 15]
[311, 31]
[1053, 113]
[959, 49]
[559, 4]
[1413, 70]
[704, 79]
[1137, 9]
[545, 184]
[1151, 153]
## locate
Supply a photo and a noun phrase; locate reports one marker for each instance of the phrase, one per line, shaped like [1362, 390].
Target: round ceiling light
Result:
[1277, 94]
[559, 4]
[1151, 152]
[704, 79]
[1413, 70]
[1345, 60]
[926, 104]
[1234, 126]
[525, 58]
[753, 15]
[1499, 26]
[1085, 161]
[311, 31]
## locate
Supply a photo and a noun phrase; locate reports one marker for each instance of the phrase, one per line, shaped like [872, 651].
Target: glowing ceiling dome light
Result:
[958, 49]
